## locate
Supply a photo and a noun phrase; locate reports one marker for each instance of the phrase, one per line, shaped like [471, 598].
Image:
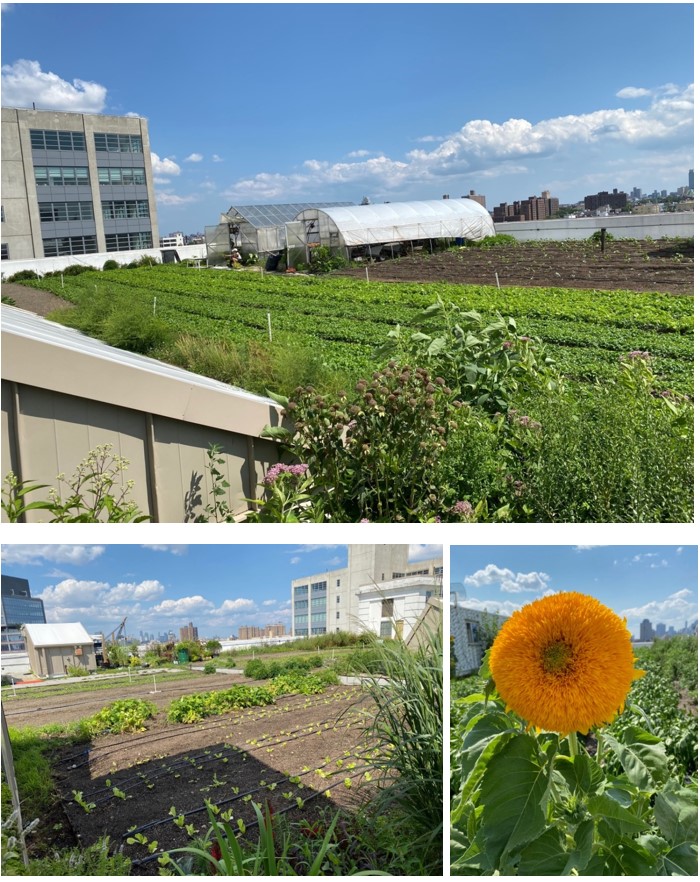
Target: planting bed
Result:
[304, 757]
[665, 266]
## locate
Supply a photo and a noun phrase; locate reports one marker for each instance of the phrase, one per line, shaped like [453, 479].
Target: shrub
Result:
[255, 669]
[23, 275]
[88, 860]
[77, 671]
[192, 708]
[210, 667]
[321, 260]
[75, 269]
[110, 265]
[492, 241]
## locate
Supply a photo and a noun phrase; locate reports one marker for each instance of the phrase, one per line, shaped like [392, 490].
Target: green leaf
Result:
[583, 840]
[436, 346]
[512, 789]
[603, 806]
[682, 860]
[676, 813]
[645, 762]
[277, 433]
[282, 400]
[581, 773]
[544, 856]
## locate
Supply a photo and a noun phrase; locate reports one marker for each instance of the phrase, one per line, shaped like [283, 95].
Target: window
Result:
[387, 609]
[122, 176]
[337, 583]
[337, 598]
[128, 241]
[437, 571]
[337, 616]
[5, 254]
[318, 587]
[65, 211]
[125, 209]
[118, 143]
[42, 139]
[301, 604]
[319, 601]
[70, 245]
[385, 629]
[2, 213]
[60, 176]
[299, 589]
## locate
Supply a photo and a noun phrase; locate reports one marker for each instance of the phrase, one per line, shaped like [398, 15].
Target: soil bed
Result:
[249, 755]
[665, 266]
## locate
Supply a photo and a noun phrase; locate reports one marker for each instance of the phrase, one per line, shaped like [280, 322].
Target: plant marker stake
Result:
[269, 327]
[154, 305]
[155, 688]
[129, 673]
[14, 690]
[498, 284]
[62, 285]
[367, 273]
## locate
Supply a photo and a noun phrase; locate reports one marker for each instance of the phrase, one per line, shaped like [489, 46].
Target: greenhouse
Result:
[255, 229]
[389, 229]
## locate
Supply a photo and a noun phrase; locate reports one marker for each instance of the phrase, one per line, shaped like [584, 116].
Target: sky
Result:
[163, 587]
[659, 583]
[271, 103]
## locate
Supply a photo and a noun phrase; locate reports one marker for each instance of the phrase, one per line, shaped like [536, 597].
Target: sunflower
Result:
[564, 663]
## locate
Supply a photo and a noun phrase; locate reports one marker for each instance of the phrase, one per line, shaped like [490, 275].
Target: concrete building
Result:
[75, 184]
[53, 648]
[252, 632]
[470, 630]
[189, 633]
[18, 608]
[616, 200]
[364, 595]
[646, 630]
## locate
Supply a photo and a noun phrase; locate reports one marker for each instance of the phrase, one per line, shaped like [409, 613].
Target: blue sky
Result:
[659, 583]
[263, 103]
[159, 587]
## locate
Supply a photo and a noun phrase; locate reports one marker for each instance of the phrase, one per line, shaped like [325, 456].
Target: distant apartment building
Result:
[189, 633]
[532, 208]
[18, 608]
[476, 197]
[379, 590]
[253, 632]
[616, 200]
[174, 240]
[75, 184]
[646, 631]
[691, 179]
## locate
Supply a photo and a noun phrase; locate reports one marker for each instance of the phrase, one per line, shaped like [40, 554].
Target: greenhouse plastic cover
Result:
[401, 221]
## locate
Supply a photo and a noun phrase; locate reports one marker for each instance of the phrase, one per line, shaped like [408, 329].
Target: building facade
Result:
[189, 633]
[18, 608]
[252, 632]
[53, 649]
[615, 200]
[340, 600]
[75, 184]
[471, 630]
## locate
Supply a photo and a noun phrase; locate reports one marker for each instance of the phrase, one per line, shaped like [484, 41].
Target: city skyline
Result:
[659, 583]
[159, 588]
[410, 125]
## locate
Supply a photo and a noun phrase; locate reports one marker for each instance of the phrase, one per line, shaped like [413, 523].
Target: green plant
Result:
[210, 667]
[23, 276]
[86, 806]
[93, 493]
[124, 715]
[110, 265]
[96, 859]
[321, 260]
[77, 671]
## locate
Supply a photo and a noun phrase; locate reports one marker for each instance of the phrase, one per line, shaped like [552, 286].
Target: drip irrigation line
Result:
[210, 758]
[281, 811]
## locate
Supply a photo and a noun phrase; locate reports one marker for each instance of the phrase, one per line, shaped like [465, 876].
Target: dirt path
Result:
[39, 302]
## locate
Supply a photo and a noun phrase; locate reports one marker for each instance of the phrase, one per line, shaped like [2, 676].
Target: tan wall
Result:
[46, 433]
[51, 661]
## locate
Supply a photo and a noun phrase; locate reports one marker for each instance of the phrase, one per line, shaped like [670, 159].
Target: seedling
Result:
[86, 806]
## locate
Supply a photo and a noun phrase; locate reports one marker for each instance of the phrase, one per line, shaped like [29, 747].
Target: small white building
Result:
[393, 608]
[470, 630]
[53, 648]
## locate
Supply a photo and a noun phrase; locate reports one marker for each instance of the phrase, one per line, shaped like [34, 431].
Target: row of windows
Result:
[60, 176]
[319, 602]
[125, 208]
[301, 604]
[301, 620]
[48, 139]
[118, 143]
[319, 586]
[82, 211]
[301, 589]
[121, 176]
[70, 245]
[65, 211]
[66, 176]
[128, 241]
[4, 251]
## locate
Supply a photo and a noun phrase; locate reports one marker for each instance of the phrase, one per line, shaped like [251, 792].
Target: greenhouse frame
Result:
[255, 229]
[389, 229]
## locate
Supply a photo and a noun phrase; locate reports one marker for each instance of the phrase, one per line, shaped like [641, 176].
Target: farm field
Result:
[665, 266]
[342, 320]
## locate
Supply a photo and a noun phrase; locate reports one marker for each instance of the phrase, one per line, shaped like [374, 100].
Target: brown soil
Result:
[39, 302]
[249, 753]
[625, 265]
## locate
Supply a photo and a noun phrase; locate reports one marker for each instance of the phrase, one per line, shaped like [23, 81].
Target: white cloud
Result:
[34, 555]
[492, 148]
[507, 580]
[149, 589]
[632, 92]
[295, 560]
[24, 84]
[269, 603]
[216, 158]
[194, 157]
[165, 166]
[500, 607]
[174, 199]
[673, 610]
[178, 550]
[585, 547]
[424, 552]
[183, 607]
[240, 603]
[358, 154]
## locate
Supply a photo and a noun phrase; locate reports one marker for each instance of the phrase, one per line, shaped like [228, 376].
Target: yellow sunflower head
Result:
[564, 663]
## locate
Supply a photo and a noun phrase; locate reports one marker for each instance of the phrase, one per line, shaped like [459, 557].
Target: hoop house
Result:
[393, 225]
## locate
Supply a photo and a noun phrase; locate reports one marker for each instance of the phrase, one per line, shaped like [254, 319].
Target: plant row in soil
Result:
[302, 757]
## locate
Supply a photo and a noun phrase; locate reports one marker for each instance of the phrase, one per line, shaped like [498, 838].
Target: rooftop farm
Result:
[539, 390]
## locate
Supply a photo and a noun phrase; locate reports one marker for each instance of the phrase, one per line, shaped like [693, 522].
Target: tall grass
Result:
[406, 726]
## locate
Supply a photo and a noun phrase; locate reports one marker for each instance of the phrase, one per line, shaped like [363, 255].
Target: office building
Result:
[646, 631]
[691, 179]
[379, 590]
[75, 184]
[18, 608]
[189, 633]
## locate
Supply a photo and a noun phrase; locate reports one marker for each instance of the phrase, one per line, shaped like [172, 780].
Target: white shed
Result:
[53, 648]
